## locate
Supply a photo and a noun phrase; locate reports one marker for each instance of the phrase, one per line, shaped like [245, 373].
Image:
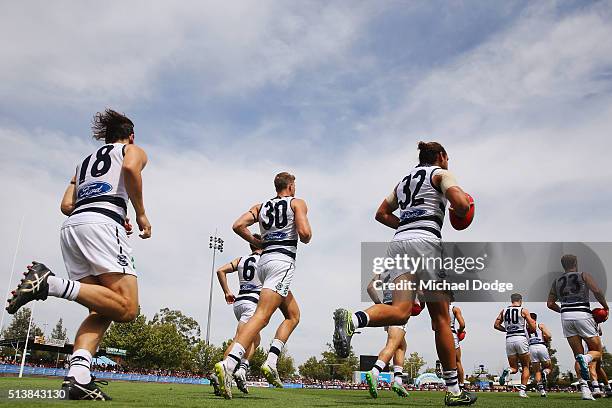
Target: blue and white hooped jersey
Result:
[573, 294]
[278, 230]
[537, 337]
[100, 187]
[514, 322]
[422, 205]
[250, 285]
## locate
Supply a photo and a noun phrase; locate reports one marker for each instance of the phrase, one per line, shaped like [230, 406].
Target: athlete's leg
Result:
[460, 372]
[525, 360]
[440, 320]
[115, 296]
[395, 338]
[537, 372]
[269, 301]
[398, 366]
[513, 363]
[437, 305]
[396, 314]
[400, 353]
[291, 311]
[116, 285]
[595, 347]
[249, 351]
[94, 326]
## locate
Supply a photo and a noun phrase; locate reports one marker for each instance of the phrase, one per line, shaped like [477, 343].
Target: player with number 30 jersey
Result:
[282, 222]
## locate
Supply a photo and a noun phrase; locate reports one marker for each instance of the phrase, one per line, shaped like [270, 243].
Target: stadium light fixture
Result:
[216, 244]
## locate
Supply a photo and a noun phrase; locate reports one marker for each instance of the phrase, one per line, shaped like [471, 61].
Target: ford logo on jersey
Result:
[275, 236]
[93, 189]
[409, 214]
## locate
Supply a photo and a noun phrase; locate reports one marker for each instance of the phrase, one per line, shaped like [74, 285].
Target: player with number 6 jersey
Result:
[282, 222]
[95, 246]
[244, 306]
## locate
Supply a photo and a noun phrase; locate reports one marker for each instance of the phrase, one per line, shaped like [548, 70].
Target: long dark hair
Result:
[111, 126]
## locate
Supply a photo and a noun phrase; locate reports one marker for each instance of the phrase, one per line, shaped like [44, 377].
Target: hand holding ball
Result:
[600, 315]
[461, 223]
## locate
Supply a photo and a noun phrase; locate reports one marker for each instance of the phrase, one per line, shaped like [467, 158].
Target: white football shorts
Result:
[584, 328]
[516, 346]
[96, 249]
[244, 310]
[539, 353]
[276, 275]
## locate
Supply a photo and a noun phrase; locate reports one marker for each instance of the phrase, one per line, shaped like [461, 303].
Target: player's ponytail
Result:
[428, 152]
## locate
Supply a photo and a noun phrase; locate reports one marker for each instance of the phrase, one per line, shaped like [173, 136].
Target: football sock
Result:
[397, 374]
[360, 319]
[80, 366]
[275, 349]
[378, 367]
[63, 288]
[451, 380]
[234, 357]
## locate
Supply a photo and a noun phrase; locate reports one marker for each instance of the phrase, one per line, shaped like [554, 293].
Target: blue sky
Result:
[224, 95]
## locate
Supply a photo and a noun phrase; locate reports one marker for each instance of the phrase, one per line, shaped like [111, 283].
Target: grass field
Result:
[179, 395]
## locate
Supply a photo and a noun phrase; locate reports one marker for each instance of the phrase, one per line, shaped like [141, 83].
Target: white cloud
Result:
[72, 52]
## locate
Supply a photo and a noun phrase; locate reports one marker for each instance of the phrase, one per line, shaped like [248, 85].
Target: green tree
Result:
[18, 329]
[259, 357]
[340, 368]
[205, 356]
[314, 369]
[166, 348]
[132, 337]
[187, 326]
[59, 331]
[413, 364]
[285, 365]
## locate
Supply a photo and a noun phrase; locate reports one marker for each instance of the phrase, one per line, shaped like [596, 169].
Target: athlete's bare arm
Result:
[551, 303]
[134, 162]
[372, 291]
[301, 220]
[593, 287]
[460, 319]
[531, 324]
[460, 204]
[385, 215]
[545, 333]
[69, 199]
[242, 224]
[498, 322]
[222, 276]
